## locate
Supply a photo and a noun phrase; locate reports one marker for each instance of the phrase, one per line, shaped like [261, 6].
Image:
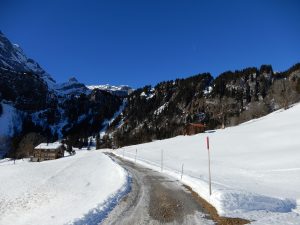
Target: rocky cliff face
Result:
[72, 87]
[13, 58]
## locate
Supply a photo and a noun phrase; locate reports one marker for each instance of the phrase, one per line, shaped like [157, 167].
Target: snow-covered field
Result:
[79, 189]
[255, 166]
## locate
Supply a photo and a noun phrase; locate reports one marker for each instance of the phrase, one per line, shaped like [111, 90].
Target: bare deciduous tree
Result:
[283, 93]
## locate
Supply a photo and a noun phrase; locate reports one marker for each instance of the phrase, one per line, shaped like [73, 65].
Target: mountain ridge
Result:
[13, 57]
[120, 90]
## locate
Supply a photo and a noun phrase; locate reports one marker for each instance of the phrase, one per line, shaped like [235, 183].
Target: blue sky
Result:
[144, 42]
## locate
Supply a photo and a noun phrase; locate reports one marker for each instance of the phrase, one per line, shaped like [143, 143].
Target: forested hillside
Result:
[231, 98]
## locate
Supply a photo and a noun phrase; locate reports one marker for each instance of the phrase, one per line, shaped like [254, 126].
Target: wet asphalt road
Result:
[155, 199]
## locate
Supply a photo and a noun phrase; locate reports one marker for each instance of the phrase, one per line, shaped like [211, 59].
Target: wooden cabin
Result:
[194, 128]
[48, 151]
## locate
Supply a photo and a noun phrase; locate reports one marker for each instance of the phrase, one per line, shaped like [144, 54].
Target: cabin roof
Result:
[49, 146]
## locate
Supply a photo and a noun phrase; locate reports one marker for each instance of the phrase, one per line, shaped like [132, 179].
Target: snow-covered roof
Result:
[54, 145]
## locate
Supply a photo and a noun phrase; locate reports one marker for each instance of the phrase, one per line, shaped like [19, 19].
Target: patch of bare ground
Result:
[210, 210]
[164, 207]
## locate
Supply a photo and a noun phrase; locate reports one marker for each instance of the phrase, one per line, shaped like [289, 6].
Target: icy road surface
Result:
[156, 199]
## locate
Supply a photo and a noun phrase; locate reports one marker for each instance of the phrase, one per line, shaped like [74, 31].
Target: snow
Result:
[108, 87]
[14, 58]
[53, 145]
[81, 118]
[161, 109]
[10, 121]
[208, 90]
[117, 90]
[150, 96]
[10, 124]
[5, 64]
[71, 87]
[143, 94]
[79, 189]
[106, 122]
[55, 128]
[255, 166]
[19, 56]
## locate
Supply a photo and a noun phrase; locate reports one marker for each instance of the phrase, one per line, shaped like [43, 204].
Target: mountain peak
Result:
[73, 80]
[71, 87]
[13, 58]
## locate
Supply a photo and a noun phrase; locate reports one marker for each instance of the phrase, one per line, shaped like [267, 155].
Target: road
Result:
[155, 199]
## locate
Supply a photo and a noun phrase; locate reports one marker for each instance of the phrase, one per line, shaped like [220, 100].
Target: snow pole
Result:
[209, 173]
[181, 171]
[162, 159]
[135, 155]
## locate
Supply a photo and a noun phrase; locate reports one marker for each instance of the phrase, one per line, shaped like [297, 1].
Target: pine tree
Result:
[98, 143]
[69, 146]
[85, 141]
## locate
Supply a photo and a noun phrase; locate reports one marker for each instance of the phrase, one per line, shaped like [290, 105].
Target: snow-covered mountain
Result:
[41, 105]
[71, 87]
[13, 58]
[122, 90]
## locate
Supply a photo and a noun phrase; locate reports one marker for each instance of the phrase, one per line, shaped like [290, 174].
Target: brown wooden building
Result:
[194, 128]
[48, 151]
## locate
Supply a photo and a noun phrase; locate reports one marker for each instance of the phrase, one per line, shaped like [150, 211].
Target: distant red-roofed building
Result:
[194, 128]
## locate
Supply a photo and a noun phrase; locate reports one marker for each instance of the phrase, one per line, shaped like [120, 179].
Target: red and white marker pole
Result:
[209, 174]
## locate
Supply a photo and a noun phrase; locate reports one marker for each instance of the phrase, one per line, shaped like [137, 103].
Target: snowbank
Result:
[255, 166]
[72, 190]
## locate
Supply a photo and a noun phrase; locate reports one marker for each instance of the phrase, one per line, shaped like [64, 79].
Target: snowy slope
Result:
[255, 166]
[10, 124]
[107, 122]
[78, 189]
[10, 121]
